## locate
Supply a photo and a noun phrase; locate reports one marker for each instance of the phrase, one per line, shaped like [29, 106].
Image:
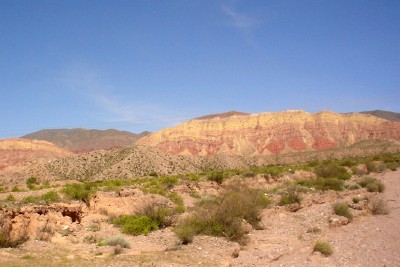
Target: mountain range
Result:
[80, 140]
[231, 140]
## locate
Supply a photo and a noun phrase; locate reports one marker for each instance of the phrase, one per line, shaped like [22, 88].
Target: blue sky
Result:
[144, 65]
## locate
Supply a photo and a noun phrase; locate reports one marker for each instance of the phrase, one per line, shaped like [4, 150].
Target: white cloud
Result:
[243, 23]
[240, 21]
[114, 107]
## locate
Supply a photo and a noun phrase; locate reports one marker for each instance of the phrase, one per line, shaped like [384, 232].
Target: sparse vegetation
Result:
[375, 166]
[48, 197]
[342, 209]
[224, 215]
[291, 195]
[81, 192]
[332, 171]
[135, 225]
[324, 248]
[115, 241]
[323, 184]
[372, 184]
[30, 182]
[378, 206]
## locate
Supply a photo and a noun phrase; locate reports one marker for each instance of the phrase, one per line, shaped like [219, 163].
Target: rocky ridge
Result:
[271, 133]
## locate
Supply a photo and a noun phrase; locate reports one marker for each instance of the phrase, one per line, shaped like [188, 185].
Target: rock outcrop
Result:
[271, 133]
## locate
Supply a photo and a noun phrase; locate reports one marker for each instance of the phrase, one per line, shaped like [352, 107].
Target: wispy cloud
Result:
[238, 20]
[241, 22]
[114, 106]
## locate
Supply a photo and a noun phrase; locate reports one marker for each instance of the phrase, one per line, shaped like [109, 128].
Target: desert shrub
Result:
[30, 182]
[291, 195]
[358, 172]
[51, 196]
[30, 199]
[161, 215]
[249, 175]
[392, 165]
[348, 163]
[323, 184]
[323, 247]
[378, 206]
[356, 200]
[352, 186]
[16, 189]
[332, 171]
[138, 225]
[81, 192]
[372, 184]
[223, 215]
[375, 166]
[115, 241]
[10, 198]
[94, 227]
[217, 177]
[342, 209]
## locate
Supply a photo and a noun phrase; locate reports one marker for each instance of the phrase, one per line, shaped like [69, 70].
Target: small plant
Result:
[115, 241]
[10, 198]
[313, 230]
[290, 196]
[372, 184]
[324, 248]
[30, 183]
[356, 199]
[332, 171]
[392, 165]
[342, 209]
[224, 215]
[136, 225]
[378, 206]
[81, 192]
[375, 166]
[217, 177]
[50, 197]
[94, 227]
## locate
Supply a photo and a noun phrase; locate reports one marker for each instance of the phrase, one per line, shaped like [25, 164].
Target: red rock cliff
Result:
[271, 133]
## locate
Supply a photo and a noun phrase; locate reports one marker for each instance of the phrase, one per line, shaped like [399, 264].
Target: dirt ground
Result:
[287, 239]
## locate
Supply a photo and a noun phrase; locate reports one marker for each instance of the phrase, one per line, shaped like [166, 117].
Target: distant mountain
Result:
[18, 151]
[83, 140]
[387, 115]
[271, 133]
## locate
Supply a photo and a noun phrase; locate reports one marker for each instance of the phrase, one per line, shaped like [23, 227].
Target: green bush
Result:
[81, 192]
[10, 198]
[378, 206]
[30, 182]
[217, 177]
[115, 241]
[291, 195]
[332, 171]
[323, 184]
[136, 225]
[392, 165]
[375, 166]
[51, 196]
[342, 209]
[372, 184]
[323, 247]
[223, 215]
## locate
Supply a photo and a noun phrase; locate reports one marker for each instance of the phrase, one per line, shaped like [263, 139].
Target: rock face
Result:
[21, 151]
[271, 133]
[84, 140]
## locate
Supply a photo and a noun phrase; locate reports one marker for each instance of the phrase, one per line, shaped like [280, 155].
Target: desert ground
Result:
[286, 235]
